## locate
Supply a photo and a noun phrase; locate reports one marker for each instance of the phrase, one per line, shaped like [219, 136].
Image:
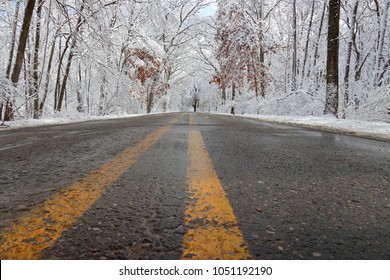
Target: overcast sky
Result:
[210, 10]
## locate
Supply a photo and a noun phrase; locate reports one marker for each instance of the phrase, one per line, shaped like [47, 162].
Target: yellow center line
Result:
[213, 231]
[44, 225]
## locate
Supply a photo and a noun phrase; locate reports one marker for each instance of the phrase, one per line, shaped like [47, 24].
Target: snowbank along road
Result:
[192, 186]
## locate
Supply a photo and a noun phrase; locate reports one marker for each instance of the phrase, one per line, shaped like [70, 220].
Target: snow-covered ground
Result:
[371, 129]
[63, 119]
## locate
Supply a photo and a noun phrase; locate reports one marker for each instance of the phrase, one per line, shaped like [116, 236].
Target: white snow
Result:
[370, 129]
[63, 119]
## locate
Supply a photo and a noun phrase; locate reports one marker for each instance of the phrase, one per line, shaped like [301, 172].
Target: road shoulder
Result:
[364, 129]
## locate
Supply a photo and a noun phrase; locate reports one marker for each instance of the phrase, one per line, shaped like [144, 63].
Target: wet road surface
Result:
[192, 186]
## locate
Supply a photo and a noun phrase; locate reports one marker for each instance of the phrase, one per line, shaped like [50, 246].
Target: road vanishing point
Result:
[192, 186]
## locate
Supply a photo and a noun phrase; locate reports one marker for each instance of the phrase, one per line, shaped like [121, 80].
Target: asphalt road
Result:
[192, 186]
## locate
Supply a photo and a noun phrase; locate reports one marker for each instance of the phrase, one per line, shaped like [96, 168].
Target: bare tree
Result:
[352, 38]
[332, 66]
[308, 40]
[295, 48]
[35, 88]
[28, 13]
[381, 64]
[73, 37]
[12, 50]
[317, 43]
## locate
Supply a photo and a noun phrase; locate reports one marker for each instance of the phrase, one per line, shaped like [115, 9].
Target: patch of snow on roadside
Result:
[372, 129]
[62, 119]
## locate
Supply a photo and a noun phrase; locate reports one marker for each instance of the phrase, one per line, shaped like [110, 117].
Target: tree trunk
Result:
[80, 105]
[42, 104]
[332, 66]
[308, 40]
[295, 50]
[223, 94]
[233, 97]
[65, 80]
[36, 60]
[149, 99]
[233, 91]
[9, 113]
[317, 45]
[70, 59]
[29, 79]
[195, 105]
[13, 40]
[103, 97]
[381, 42]
[1, 111]
[352, 37]
[262, 72]
[60, 60]
[262, 52]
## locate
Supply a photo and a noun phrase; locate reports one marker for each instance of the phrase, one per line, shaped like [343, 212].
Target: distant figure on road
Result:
[195, 98]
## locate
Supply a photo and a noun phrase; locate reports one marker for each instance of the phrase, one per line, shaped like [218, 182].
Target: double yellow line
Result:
[213, 232]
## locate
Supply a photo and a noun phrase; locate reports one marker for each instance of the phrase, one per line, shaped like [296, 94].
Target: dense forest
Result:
[274, 57]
